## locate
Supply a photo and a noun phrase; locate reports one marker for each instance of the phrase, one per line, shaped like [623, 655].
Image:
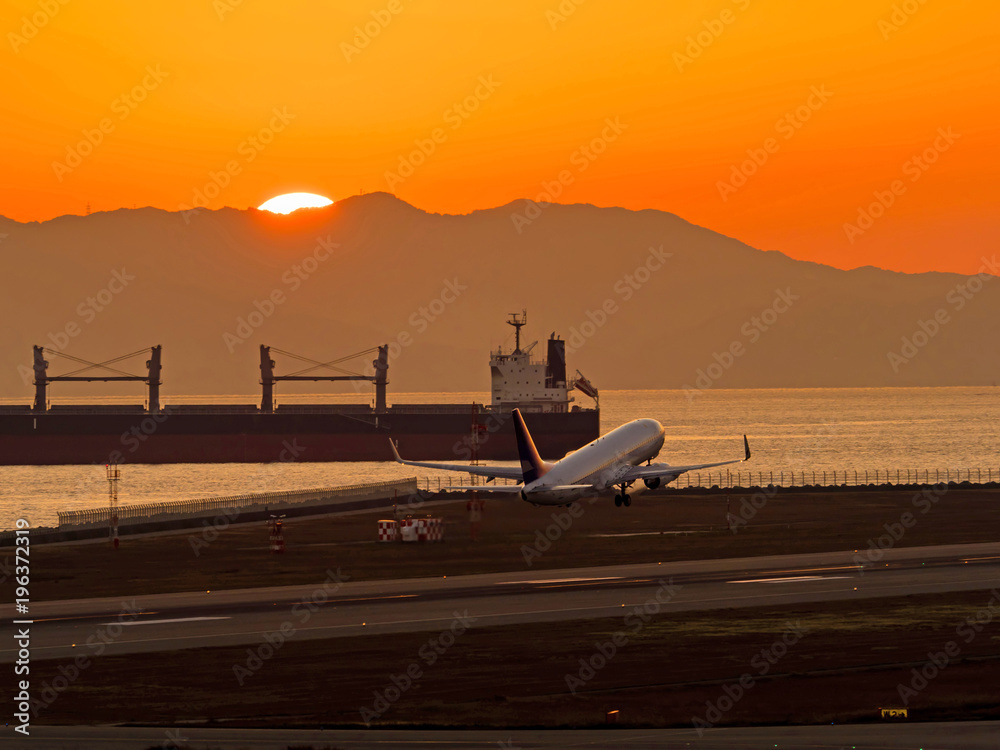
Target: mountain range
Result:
[644, 299]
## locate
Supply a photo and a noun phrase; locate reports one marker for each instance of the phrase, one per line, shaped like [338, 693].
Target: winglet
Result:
[395, 453]
[747, 446]
[532, 466]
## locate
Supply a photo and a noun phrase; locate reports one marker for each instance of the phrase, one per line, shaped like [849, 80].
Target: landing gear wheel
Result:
[623, 498]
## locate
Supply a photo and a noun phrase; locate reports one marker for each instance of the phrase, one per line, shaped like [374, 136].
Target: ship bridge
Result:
[519, 381]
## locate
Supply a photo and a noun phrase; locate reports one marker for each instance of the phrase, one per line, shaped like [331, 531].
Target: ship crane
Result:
[42, 378]
[268, 378]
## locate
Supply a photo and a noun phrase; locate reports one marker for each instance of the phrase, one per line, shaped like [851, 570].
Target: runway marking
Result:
[810, 570]
[162, 622]
[83, 617]
[646, 533]
[557, 580]
[614, 608]
[792, 579]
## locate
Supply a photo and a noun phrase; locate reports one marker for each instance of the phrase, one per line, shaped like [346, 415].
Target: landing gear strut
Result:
[623, 498]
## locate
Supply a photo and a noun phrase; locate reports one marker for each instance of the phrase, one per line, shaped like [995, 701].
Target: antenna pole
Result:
[517, 321]
[114, 474]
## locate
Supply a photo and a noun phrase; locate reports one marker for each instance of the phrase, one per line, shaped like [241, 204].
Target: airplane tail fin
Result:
[532, 465]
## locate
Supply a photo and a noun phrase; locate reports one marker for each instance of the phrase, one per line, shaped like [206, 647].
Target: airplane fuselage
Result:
[597, 463]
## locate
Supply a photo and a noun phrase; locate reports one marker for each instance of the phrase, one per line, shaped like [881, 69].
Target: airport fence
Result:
[212, 506]
[835, 478]
[830, 478]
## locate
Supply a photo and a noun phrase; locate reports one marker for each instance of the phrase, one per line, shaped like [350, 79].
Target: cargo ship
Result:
[40, 434]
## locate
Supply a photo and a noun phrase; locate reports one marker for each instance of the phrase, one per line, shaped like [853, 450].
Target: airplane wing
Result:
[496, 489]
[503, 472]
[510, 489]
[665, 470]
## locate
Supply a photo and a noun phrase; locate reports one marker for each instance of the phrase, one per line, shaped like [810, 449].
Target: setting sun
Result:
[285, 204]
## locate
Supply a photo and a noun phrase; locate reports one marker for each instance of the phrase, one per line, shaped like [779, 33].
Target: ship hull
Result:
[58, 439]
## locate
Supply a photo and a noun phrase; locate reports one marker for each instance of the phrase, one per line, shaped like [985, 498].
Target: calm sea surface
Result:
[789, 430]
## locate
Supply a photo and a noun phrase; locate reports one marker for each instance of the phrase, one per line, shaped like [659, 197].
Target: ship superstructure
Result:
[519, 381]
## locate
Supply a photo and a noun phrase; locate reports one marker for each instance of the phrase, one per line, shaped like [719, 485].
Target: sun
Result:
[285, 204]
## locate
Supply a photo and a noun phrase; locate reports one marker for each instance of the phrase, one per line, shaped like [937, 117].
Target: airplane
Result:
[610, 462]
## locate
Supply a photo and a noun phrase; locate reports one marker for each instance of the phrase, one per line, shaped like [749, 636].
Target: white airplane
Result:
[610, 462]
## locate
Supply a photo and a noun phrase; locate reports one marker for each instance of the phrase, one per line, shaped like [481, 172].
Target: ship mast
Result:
[517, 321]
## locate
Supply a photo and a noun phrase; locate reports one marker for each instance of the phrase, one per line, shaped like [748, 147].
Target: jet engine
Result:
[653, 482]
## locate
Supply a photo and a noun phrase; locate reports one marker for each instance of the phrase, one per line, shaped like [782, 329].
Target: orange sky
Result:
[175, 92]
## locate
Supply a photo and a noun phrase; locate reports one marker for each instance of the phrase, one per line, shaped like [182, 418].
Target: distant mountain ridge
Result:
[644, 298]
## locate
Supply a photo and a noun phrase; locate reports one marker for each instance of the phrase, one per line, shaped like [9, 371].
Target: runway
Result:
[335, 607]
[980, 735]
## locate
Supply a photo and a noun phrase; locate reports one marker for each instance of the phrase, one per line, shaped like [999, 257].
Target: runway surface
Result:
[329, 609]
[984, 735]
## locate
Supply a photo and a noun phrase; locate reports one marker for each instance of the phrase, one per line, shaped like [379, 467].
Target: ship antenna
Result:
[517, 321]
